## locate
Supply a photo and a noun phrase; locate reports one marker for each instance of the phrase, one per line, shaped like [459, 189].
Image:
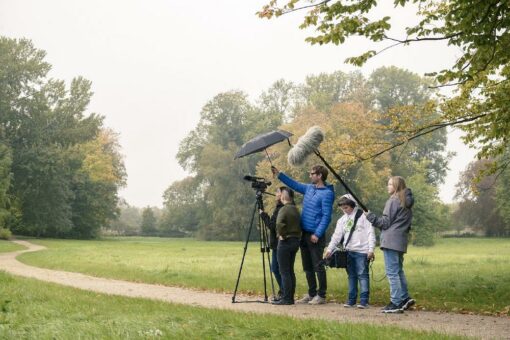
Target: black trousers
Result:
[286, 252]
[311, 256]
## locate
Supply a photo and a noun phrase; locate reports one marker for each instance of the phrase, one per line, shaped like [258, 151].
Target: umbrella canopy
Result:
[261, 142]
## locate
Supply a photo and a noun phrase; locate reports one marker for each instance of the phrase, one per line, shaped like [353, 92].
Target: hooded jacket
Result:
[317, 204]
[395, 222]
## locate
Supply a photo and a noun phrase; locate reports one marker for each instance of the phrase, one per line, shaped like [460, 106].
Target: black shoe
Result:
[407, 303]
[282, 302]
[276, 298]
[391, 308]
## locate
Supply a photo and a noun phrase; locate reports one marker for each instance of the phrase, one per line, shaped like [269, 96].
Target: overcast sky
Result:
[154, 64]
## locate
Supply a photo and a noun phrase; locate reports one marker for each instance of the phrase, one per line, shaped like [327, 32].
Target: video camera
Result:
[258, 183]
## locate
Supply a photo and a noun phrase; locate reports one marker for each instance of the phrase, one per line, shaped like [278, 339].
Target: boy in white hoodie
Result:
[360, 249]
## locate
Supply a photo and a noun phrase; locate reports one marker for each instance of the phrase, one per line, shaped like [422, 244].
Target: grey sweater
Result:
[395, 222]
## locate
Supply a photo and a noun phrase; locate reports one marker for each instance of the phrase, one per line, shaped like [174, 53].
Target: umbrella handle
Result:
[269, 158]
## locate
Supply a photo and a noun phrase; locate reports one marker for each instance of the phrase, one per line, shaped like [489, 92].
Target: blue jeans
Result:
[357, 270]
[275, 269]
[394, 265]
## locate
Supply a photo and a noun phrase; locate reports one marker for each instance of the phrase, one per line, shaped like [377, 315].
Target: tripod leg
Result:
[267, 250]
[244, 252]
[262, 251]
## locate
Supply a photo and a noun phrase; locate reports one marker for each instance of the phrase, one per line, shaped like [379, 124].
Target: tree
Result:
[503, 200]
[98, 175]
[278, 101]
[129, 220]
[356, 125]
[226, 122]
[479, 29]
[149, 222]
[61, 157]
[478, 207]
[184, 206]
[5, 179]
[406, 99]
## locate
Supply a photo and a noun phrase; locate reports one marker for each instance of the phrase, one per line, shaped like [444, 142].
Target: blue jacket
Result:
[317, 204]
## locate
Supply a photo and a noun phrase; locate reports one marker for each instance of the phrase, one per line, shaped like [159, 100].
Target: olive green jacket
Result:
[288, 222]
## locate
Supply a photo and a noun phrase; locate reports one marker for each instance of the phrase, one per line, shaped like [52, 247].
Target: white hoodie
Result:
[363, 239]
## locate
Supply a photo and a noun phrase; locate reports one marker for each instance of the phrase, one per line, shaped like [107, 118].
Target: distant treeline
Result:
[361, 116]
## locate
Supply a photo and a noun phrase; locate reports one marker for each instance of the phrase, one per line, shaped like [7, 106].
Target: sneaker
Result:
[282, 302]
[407, 303]
[349, 305]
[391, 308]
[317, 300]
[362, 306]
[305, 299]
[277, 297]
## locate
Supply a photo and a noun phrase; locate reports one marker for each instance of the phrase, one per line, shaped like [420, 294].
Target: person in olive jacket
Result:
[270, 223]
[288, 231]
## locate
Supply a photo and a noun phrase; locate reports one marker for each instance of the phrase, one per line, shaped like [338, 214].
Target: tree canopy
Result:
[480, 76]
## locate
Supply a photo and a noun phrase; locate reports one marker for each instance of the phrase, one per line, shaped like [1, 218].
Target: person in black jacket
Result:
[270, 223]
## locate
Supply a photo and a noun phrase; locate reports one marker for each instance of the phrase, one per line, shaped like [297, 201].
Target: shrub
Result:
[5, 234]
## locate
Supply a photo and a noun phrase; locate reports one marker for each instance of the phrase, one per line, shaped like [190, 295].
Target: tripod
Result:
[264, 246]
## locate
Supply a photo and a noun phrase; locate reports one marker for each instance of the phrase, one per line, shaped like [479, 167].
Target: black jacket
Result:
[270, 223]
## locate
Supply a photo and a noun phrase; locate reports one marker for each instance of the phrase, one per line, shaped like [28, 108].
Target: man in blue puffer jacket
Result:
[315, 218]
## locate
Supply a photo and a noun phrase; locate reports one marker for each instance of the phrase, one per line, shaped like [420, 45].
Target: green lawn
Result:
[457, 274]
[31, 309]
[6, 246]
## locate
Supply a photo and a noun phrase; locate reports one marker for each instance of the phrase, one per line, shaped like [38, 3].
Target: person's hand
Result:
[314, 239]
[281, 238]
[275, 171]
[327, 255]
[261, 211]
[371, 256]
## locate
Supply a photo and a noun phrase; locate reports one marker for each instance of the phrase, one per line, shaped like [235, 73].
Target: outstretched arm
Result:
[294, 185]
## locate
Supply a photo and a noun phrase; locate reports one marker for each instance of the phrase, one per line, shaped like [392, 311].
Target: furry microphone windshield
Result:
[307, 144]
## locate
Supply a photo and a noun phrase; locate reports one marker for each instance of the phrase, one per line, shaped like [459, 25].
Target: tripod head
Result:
[257, 183]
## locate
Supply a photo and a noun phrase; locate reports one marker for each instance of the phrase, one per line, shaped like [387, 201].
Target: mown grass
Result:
[462, 275]
[31, 309]
[6, 246]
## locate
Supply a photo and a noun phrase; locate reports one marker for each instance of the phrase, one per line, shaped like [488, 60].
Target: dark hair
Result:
[289, 191]
[346, 201]
[319, 169]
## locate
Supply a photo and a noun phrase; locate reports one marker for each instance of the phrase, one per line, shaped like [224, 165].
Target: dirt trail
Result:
[486, 327]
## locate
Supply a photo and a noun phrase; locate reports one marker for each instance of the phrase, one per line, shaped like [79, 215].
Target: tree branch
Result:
[446, 37]
[418, 133]
[304, 7]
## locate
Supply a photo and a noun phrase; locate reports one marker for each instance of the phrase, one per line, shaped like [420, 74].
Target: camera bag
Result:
[338, 258]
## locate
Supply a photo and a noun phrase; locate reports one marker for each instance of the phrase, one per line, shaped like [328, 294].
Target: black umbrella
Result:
[261, 142]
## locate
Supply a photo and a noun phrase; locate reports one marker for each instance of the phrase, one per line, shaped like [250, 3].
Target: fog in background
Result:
[154, 64]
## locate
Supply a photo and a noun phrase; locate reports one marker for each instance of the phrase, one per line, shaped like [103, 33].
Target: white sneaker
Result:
[360, 306]
[305, 299]
[317, 300]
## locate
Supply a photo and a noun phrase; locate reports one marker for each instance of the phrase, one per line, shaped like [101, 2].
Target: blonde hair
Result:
[399, 184]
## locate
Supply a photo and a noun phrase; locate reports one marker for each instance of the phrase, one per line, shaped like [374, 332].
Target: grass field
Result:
[462, 275]
[31, 309]
[6, 246]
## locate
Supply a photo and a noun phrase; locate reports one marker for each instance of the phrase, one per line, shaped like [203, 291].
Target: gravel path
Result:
[485, 327]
